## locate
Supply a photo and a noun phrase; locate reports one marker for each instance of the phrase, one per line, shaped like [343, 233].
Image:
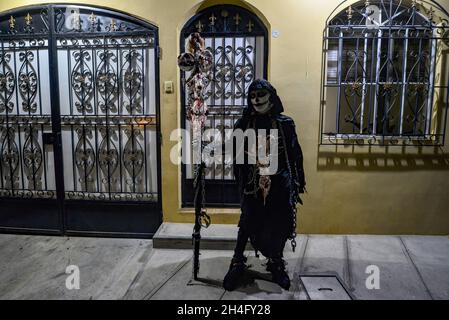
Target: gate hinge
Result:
[159, 52]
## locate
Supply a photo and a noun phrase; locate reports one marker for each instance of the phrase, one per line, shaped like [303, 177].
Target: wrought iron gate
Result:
[79, 122]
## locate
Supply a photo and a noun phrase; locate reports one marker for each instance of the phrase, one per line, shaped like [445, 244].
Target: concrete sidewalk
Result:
[33, 267]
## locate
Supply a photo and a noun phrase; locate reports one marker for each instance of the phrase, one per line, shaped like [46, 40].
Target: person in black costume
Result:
[268, 203]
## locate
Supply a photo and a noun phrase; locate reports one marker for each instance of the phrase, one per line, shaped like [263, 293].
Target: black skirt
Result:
[269, 224]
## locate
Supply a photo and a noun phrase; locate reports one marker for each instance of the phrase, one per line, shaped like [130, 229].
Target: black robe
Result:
[269, 225]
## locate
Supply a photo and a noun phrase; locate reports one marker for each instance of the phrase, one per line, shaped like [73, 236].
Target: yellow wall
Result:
[380, 191]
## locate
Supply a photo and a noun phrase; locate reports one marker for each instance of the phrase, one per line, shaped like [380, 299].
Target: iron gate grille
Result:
[385, 80]
[108, 118]
[79, 112]
[238, 41]
[25, 112]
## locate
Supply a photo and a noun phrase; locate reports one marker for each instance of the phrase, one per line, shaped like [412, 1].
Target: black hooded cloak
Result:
[269, 225]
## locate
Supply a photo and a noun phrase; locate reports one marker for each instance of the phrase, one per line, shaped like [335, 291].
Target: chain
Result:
[204, 217]
[292, 196]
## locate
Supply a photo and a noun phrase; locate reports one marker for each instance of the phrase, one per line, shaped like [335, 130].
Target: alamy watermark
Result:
[72, 282]
[227, 146]
[373, 280]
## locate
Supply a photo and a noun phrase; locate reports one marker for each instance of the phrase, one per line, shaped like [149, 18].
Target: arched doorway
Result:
[238, 40]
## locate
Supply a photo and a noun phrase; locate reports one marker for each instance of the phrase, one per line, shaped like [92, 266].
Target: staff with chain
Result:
[197, 61]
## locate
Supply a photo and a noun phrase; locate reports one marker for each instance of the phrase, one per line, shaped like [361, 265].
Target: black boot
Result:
[235, 273]
[277, 269]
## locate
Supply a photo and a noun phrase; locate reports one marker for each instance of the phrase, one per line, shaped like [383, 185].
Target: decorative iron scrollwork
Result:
[132, 81]
[32, 158]
[77, 20]
[225, 19]
[12, 24]
[108, 157]
[85, 157]
[28, 82]
[133, 157]
[115, 196]
[108, 125]
[234, 71]
[106, 79]
[9, 158]
[7, 83]
[94, 22]
[110, 72]
[29, 23]
[93, 120]
[82, 81]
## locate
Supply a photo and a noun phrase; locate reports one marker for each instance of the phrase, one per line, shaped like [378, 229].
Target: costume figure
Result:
[268, 201]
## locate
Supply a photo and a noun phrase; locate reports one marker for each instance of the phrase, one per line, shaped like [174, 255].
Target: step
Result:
[179, 236]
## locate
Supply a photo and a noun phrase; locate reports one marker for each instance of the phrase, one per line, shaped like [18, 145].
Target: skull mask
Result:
[260, 100]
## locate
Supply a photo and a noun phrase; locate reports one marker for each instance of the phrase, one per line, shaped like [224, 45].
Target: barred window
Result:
[238, 41]
[385, 80]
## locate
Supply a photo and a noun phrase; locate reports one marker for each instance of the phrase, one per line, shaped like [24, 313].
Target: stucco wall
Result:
[379, 190]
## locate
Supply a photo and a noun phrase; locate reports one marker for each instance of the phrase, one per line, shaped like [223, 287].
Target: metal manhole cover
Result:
[324, 287]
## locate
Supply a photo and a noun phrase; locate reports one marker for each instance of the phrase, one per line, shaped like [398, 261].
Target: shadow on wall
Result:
[366, 158]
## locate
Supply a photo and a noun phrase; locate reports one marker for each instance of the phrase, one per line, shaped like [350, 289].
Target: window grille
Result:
[385, 78]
